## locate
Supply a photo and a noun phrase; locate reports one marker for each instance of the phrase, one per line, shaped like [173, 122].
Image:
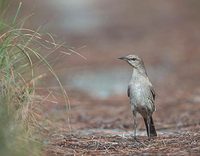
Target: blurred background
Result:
[165, 34]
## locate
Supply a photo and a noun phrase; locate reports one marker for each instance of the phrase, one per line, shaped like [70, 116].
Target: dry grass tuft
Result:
[24, 62]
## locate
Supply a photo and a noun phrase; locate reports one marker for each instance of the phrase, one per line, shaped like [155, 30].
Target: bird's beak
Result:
[122, 58]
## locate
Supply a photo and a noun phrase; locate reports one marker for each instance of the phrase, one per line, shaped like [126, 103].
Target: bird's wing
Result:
[151, 98]
[128, 91]
[153, 92]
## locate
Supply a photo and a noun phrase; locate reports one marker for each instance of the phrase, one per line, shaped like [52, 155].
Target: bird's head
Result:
[133, 60]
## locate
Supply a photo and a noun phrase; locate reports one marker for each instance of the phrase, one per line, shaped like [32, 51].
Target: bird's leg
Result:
[135, 126]
[149, 126]
[135, 130]
[134, 123]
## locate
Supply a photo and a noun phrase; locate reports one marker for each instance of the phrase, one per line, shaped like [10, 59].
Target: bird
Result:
[141, 94]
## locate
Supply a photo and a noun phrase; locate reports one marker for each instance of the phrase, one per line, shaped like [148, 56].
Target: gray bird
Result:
[141, 94]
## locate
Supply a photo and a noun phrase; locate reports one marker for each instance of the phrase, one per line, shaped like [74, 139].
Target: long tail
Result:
[151, 131]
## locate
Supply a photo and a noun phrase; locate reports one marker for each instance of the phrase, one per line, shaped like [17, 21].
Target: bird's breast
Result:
[139, 94]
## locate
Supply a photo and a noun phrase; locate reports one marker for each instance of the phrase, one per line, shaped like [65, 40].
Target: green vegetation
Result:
[19, 59]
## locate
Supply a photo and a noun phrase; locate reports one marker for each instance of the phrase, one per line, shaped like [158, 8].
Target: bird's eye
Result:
[133, 59]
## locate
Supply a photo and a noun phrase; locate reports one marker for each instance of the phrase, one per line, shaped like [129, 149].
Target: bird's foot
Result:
[138, 142]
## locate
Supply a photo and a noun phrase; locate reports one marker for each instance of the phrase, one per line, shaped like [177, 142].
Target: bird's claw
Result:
[139, 143]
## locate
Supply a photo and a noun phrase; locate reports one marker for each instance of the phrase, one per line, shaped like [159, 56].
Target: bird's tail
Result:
[151, 131]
